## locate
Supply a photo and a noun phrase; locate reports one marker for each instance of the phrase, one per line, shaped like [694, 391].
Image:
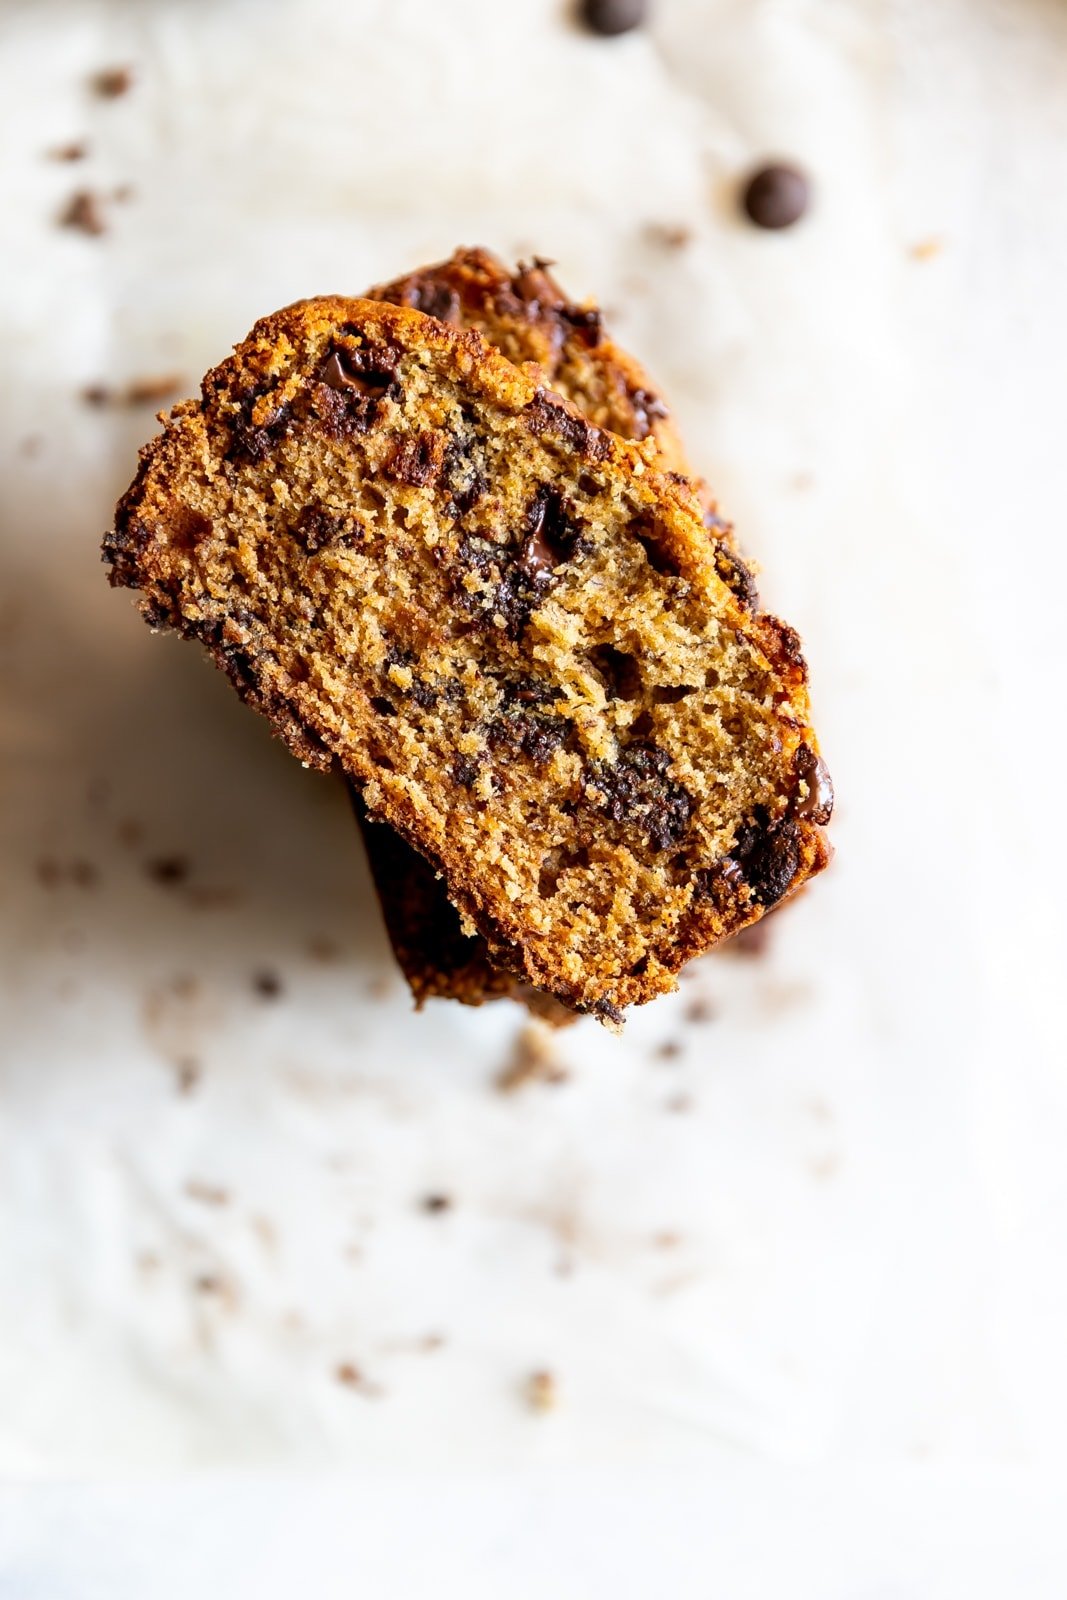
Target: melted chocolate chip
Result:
[549, 413]
[343, 370]
[776, 196]
[637, 790]
[550, 534]
[767, 855]
[609, 17]
[817, 803]
[431, 297]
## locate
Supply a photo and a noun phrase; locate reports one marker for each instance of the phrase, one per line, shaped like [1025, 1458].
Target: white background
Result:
[860, 1318]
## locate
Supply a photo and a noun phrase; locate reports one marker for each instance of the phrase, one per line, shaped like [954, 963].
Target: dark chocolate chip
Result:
[609, 17]
[636, 790]
[340, 372]
[776, 196]
[547, 412]
[817, 803]
[550, 535]
[464, 772]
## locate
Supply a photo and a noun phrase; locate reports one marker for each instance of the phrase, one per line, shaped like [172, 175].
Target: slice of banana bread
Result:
[511, 632]
[528, 317]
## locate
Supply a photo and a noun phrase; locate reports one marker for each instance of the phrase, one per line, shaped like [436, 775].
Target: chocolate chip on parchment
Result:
[609, 17]
[776, 196]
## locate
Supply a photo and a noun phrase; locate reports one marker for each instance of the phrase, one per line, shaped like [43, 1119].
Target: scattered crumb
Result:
[380, 988]
[129, 832]
[323, 949]
[667, 1239]
[217, 1286]
[187, 1072]
[52, 873]
[542, 1391]
[437, 1202]
[153, 389]
[168, 869]
[83, 211]
[31, 445]
[123, 192]
[209, 1194]
[669, 1050]
[825, 1167]
[148, 1262]
[669, 235]
[700, 1010]
[111, 82]
[76, 150]
[265, 1231]
[349, 1374]
[267, 985]
[184, 986]
[533, 1060]
[802, 480]
[679, 1103]
[431, 1342]
[926, 249]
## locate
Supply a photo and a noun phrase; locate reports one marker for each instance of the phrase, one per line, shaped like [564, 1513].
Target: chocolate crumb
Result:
[112, 82]
[776, 196]
[542, 1391]
[436, 1203]
[97, 394]
[267, 985]
[700, 1010]
[77, 150]
[168, 869]
[609, 17]
[669, 1050]
[83, 211]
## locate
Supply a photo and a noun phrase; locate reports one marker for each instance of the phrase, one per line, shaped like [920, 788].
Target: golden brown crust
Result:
[369, 500]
